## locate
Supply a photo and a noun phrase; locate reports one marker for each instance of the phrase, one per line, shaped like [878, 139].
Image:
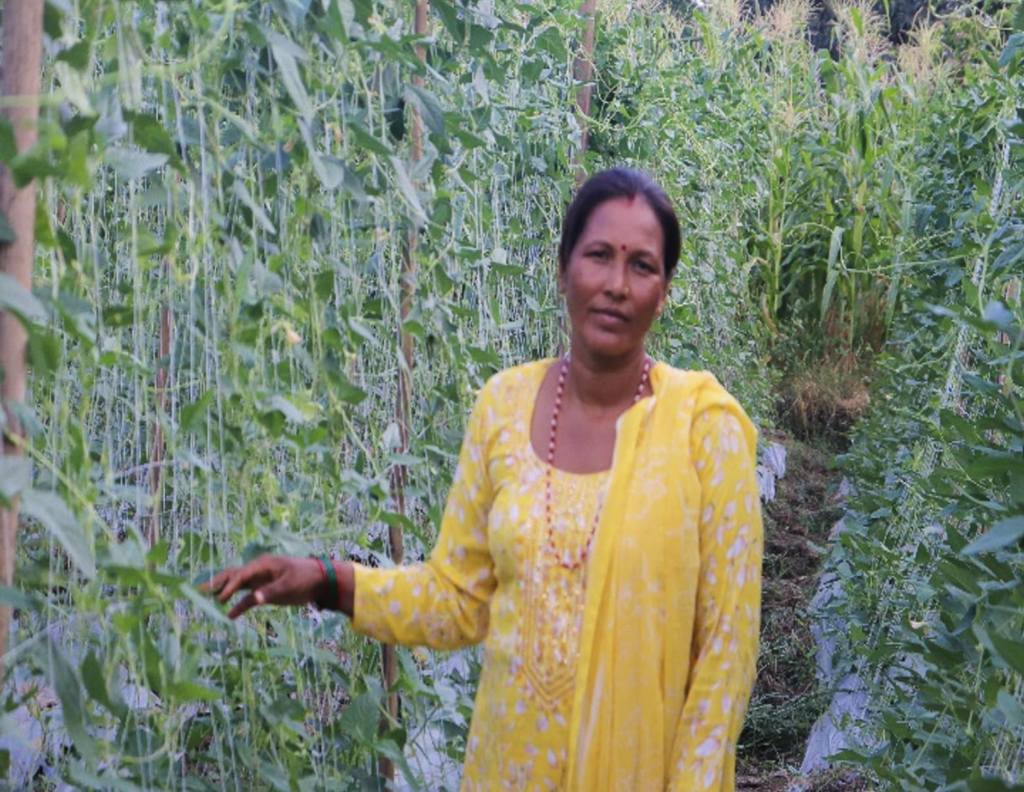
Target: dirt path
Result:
[786, 699]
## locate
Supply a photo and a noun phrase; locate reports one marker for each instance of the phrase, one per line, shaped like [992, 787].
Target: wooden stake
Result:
[157, 446]
[583, 72]
[399, 477]
[21, 79]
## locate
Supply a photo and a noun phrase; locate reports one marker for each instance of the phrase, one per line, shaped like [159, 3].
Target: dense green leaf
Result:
[131, 164]
[185, 690]
[361, 718]
[65, 681]
[408, 190]
[287, 56]
[15, 476]
[1013, 46]
[13, 598]
[94, 678]
[50, 510]
[429, 108]
[18, 300]
[53, 20]
[1003, 534]
[152, 135]
[364, 140]
[1011, 652]
[77, 56]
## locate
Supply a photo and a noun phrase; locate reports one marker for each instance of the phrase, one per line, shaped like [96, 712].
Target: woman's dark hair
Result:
[620, 183]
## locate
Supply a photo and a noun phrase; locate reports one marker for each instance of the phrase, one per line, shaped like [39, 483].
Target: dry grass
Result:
[826, 399]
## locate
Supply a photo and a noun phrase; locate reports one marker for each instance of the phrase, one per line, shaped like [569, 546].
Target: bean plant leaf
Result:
[77, 56]
[151, 135]
[287, 55]
[1011, 708]
[1011, 652]
[50, 510]
[429, 109]
[131, 164]
[240, 190]
[96, 686]
[365, 140]
[68, 686]
[186, 690]
[300, 414]
[361, 718]
[15, 476]
[53, 20]
[20, 301]
[1000, 535]
[408, 190]
[997, 314]
[15, 598]
[1013, 46]
[102, 783]
[205, 604]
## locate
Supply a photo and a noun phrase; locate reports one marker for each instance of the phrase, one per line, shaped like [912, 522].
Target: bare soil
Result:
[786, 699]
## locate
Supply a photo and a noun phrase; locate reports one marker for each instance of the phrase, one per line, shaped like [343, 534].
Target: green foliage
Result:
[932, 567]
[242, 175]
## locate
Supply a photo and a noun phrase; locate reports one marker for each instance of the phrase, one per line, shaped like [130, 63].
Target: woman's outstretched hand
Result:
[278, 580]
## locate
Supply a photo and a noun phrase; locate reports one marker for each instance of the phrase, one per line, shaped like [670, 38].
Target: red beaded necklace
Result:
[566, 561]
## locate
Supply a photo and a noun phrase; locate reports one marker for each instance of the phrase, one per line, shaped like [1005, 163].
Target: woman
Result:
[602, 536]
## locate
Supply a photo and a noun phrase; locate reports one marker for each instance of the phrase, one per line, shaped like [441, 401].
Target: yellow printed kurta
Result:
[632, 673]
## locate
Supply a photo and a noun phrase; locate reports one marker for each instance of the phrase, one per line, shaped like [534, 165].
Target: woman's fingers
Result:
[271, 580]
[277, 592]
[251, 576]
[216, 581]
[249, 601]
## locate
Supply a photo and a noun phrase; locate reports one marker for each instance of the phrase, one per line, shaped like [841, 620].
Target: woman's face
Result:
[614, 281]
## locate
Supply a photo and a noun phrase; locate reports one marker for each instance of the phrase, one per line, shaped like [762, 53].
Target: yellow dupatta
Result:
[637, 724]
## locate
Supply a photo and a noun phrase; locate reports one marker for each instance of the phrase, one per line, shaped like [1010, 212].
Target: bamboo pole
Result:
[403, 406]
[157, 445]
[583, 72]
[20, 83]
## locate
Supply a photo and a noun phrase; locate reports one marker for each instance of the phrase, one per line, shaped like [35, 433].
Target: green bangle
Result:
[332, 584]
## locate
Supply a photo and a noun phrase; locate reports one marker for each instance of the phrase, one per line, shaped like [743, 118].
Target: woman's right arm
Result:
[444, 601]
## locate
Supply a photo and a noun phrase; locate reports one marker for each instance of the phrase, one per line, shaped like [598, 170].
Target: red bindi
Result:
[623, 248]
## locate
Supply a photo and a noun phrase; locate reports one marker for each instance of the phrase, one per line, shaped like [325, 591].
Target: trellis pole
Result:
[20, 84]
[406, 362]
[583, 72]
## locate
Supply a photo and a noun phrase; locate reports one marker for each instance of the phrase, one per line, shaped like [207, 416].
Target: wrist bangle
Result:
[319, 601]
[330, 602]
[337, 577]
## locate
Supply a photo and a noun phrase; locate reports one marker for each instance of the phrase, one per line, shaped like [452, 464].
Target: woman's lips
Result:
[610, 317]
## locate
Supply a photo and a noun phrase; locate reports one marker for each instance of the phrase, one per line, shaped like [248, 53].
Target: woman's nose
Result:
[616, 281]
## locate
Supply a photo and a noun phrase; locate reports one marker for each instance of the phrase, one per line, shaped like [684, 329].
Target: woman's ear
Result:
[663, 301]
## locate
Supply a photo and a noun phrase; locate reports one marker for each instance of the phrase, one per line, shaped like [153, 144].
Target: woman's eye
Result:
[599, 254]
[645, 266]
